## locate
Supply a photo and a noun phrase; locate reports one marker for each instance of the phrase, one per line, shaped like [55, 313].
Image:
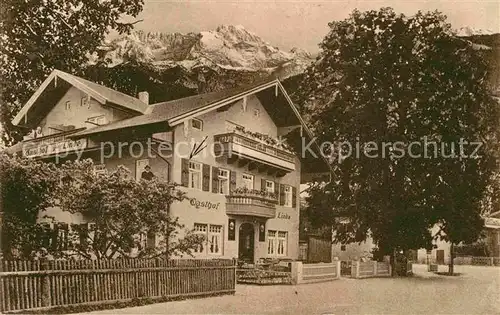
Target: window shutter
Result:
[232, 184]
[206, 177]
[282, 195]
[185, 172]
[55, 237]
[262, 184]
[151, 240]
[294, 196]
[215, 179]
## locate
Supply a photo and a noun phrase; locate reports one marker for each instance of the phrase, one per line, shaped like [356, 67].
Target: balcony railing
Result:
[251, 204]
[246, 147]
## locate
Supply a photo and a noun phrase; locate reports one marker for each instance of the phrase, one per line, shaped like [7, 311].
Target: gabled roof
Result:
[102, 94]
[172, 112]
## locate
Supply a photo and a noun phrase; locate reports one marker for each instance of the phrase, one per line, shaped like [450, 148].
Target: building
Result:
[441, 253]
[224, 148]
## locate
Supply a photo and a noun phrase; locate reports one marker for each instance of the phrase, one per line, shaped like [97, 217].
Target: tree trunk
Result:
[167, 241]
[393, 263]
[452, 256]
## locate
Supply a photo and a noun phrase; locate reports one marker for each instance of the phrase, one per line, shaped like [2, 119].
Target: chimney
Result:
[144, 97]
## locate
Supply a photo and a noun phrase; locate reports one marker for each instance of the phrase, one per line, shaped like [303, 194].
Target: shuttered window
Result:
[223, 181]
[195, 176]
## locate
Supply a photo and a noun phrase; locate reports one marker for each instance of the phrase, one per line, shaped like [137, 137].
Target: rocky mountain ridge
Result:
[227, 47]
[174, 65]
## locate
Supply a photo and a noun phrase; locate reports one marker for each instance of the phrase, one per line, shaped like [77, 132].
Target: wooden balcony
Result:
[244, 150]
[251, 205]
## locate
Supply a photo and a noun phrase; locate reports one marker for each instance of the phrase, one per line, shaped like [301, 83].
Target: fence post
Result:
[375, 271]
[355, 269]
[45, 283]
[235, 265]
[337, 267]
[296, 268]
[492, 261]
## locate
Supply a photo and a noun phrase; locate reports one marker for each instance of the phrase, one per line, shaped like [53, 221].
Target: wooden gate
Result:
[319, 250]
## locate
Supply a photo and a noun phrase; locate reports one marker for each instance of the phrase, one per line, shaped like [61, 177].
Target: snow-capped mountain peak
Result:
[228, 47]
[471, 31]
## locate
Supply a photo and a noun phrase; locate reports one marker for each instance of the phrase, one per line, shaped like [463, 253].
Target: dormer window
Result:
[197, 124]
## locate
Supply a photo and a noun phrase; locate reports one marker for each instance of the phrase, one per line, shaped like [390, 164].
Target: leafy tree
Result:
[384, 80]
[37, 36]
[27, 187]
[120, 210]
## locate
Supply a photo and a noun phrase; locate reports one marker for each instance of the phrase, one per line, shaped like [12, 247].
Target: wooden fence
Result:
[30, 285]
[319, 250]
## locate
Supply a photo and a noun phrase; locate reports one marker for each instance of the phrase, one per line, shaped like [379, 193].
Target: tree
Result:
[37, 36]
[381, 83]
[27, 188]
[121, 210]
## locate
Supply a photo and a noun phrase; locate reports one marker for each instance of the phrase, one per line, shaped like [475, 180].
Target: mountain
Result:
[489, 45]
[202, 62]
[175, 65]
[471, 31]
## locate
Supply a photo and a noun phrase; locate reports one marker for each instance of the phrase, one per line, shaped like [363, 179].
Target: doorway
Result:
[440, 257]
[246, 243]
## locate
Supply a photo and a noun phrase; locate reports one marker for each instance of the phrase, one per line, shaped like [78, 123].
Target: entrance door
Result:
[440, 257]
[246, 243]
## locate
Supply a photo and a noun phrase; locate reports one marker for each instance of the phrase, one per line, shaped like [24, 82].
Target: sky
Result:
[290, 23]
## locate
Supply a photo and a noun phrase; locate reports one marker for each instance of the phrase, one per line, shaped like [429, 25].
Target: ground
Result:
[475, 291]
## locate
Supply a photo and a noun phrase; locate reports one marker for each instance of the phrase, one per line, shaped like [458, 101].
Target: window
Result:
[282, 246]
[140, 165]
[202, 230]
[277, 243]
[197, 124]
[248, 181]
[195, 175]
[98, 120]
[215, 240]
[271, 240]
[269, 186]
[213, 235]
[342, 248]
[288, 196]
[68, 105]
[223, 182]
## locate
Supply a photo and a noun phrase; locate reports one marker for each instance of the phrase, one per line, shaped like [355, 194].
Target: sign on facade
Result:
[42, 149]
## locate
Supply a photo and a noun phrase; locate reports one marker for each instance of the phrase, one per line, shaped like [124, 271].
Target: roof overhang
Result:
[495, 227]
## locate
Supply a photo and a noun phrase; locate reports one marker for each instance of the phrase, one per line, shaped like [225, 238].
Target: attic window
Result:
[197, 124]
[97, 121]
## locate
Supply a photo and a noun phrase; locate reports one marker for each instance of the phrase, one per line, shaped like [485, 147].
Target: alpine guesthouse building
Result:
[224, 154]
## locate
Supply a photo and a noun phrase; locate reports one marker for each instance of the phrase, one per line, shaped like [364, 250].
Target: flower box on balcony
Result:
[249, 202]
[264, 139]
[255, 194]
